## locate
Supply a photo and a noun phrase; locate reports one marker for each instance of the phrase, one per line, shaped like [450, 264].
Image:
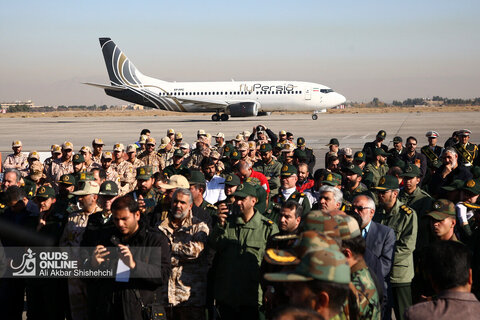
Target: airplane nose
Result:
[340, 99]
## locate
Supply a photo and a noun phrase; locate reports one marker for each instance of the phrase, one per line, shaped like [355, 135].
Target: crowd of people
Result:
[248, 228]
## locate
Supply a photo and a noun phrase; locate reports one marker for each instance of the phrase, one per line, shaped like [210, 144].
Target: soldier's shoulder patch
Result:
[302, 194]
[269, 222]
[211, 206]
[293, 196]
[406, 209]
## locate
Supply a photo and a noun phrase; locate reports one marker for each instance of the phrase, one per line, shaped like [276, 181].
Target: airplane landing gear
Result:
[215, 117]
[224, 117]
[314, 117]
[218, 117]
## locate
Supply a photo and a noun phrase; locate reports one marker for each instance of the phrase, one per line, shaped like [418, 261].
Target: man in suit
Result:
[380, 241]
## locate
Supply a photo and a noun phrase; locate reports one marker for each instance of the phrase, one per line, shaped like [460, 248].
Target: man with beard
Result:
[215, 184]
[201, 151]
[304, 183]
[397, 151]
[124, 170]
[377, 168]
[34, 179]
[188, 235]
[97, 145]
[201, 209]
[150, 156]
[353, 182]
[177, 167]
[145, 195]
[333, 146]
[61, 166]
[269, 167]
[132, 157]
[16, 160]
[414, 157]
[370, 147]
[107, 160]
[56, 152]
[309, 153]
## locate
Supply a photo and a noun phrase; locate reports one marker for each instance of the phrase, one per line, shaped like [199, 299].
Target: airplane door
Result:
[308, 94]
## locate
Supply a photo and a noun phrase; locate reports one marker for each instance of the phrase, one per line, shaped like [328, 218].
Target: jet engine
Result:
[243, 109]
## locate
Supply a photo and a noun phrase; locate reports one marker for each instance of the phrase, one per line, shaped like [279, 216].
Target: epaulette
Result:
[211, 206]
[269, 222]
[471, 205]
[284, 237]
[293, 196]
[406, 209]
[302, 194]
[2, 206]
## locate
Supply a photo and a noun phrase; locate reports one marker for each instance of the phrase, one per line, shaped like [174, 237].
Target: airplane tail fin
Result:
[121, 71]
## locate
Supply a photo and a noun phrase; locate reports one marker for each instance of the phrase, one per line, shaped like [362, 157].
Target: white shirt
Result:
[215, 190]
[288, 192]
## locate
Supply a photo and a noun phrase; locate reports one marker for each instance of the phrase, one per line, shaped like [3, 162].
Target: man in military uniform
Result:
[34, 180]
[17, 160]
[177, 167]
[188, 235]
[252, 152]
[232, 181]
[467, 152]
[443, 219]
[56, 153]
[150, 157]
[107, 160]
[359, 159]
[243, 150]
[353, 182]
[132, 157]
[309, 153]
[97, 146]
[202, 209]
[269, 167]
[145, 193]
[414, 157]
[219, 165]
[88, 156]
[124, 170]
[220, 142]
[397, 151]
[201, 151]
[78, 165]
[403, 220]
[287, 154]
[165, 151]
[432, 151]
[370, 147]
[377, 168]
[171, 135]
[61, 166]
[178, 139]
[240, 242]
[417, 199]
[287, 191]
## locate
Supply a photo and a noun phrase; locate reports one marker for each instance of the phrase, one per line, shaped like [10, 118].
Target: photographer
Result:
[144, 251]
[264, 135]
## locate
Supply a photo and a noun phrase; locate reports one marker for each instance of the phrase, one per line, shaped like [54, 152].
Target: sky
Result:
[362, 49]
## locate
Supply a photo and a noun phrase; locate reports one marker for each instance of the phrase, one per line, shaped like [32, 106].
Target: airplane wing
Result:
[202, 103]
[103, 86]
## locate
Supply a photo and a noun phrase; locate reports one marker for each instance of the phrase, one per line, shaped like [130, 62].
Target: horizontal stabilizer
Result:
[103, 86]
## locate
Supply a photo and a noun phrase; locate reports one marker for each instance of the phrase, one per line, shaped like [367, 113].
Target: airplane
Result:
[235, 98]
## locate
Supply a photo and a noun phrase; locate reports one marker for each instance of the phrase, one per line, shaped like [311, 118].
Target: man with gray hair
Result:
[447, 173]
[11, 177]
[329, 199]
[187, 285]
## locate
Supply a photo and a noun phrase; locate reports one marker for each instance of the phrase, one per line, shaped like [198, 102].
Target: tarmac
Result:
[352, 130]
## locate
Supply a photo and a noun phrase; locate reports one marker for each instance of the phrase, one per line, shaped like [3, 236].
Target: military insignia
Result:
[437, 205]
[66, 178]
[263, 147]
[229, 178]
[417, 161]
[142, 170]
[471, 184]
[235, 153]
[83, 176]
[240, 187]
[30, 193]
[302, 194]
[329, 177]
[294, 196]
[351, 166]
[270, 222]
[408, 169]
[108, 187]
[382, 181]
[76, 157]
[360, 154]
[227, 149]
[117, 146]
[285, 168]
[42, 190]
[17, 142]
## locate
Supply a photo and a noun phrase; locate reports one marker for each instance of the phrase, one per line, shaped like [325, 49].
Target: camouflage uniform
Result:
[18, 162]
[98, 158]
[126, 175]
[188, 281]
[112, 175]
[137, 163]
[368, 300]
[195, 160]
[152, 159]
[58, 169]
[167, 157]
[92, 165]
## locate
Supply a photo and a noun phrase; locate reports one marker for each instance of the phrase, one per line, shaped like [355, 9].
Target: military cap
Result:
[17, 143]
[332, 179]
[235, 155]
[288, 170]
[282, 133]
[68, 179]
[57, 149]
[351, 168]
[178, 136]
[245, 189]
[67, 145]
[387, 182]
[178, 153]
[347, 226]
[45, 192]
[232, 180]
[397, 162]
[176, 181]
[89, 187]
[246, 134]
[34, 155]
[472, 186]
[288, 147]
[118, 147]
[242, 146]
[464, 132]
[443, 209]
[300, 154]
[397, 139]
[325, 265]
[238, 137]
[359, 156]
[143, 139]
[163, 142]
[98, 141]
[107, 155]
[381, 134]
[323, 223]
[411, 171]
[333, 141]
[184, 145]
[300, 141]
[279, 145]
[108, 188]
[36, 169]
[85, 176]
[86, 149]
[252, 145]
[150, 140]
[346, 151]
[201, 132]
[380, 152]
[170, 131]
[304, 242]
[131, 148]
[228, 149]
[196, 177]
[78, 158]
[215, 155]
[454, 185]
[265, 147]
[53, 147]
[144, 173]
[432, 134]
[219, 135]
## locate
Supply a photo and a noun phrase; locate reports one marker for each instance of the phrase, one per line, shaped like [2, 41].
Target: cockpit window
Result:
[326, 90]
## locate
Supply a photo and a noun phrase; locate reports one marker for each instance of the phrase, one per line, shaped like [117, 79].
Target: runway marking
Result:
[364, 137]
[346, 137]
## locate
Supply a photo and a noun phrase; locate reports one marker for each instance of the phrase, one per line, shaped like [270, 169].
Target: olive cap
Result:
[232, 180]
[387, 182]
[443, 209]
[411, 171]
[245, 189]
[45, 192]
[78, 158]
[68, 179]
[144, 173]
[108, 188]
[288, 170]
[332, 179]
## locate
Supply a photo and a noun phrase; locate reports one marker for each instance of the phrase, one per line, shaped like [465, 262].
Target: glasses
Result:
[360, 208]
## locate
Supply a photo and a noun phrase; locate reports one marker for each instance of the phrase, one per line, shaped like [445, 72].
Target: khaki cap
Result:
[178, 136]
[239, 137]
[86, 149]
[184, 145]
[150, 140]
[252, 145]
[17, 143]
[242, 146]
[131, 148]
[67, 145]
[98, 141]
[176, 181]
[219, 135]
[201, 132]
[107, 155]
[89, 187]
[143, 139]
[57, 149]
[34, 155]
[53, 147]
[118, 147]
[164, 142]
[282, 133]
[170, 131]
